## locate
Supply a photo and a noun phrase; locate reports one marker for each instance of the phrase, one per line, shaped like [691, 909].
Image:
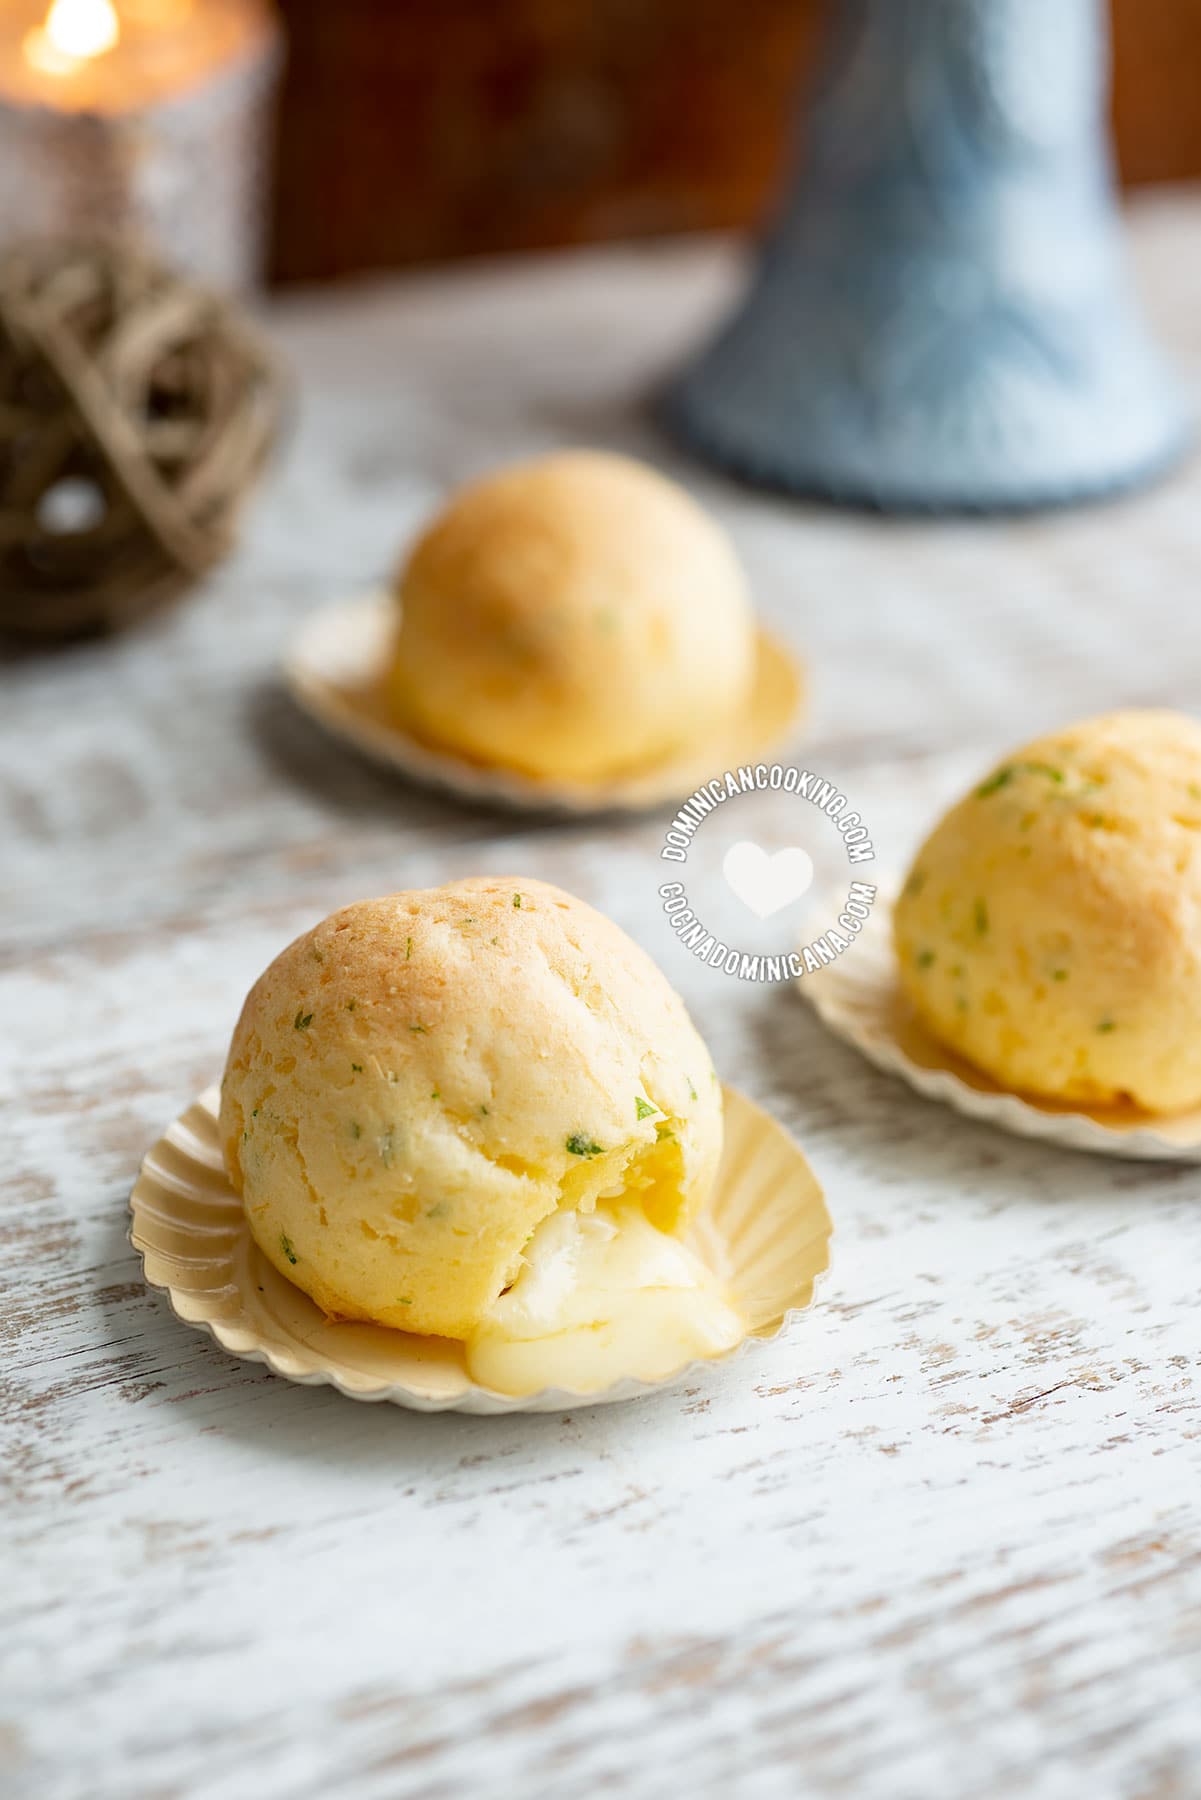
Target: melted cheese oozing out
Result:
[601, 1295]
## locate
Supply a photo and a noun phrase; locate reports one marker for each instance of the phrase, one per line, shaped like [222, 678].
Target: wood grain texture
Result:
[943, 1540]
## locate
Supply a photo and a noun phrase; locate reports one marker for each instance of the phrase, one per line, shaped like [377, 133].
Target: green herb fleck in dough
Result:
[439, 1211]
[404, 1301]
[663, 1132]
[317, 955]
[245, 1137]
[1107, 1025]
[419, 1028]
[980, 915]
[517, 900]
[285, 1244]
[1002, 777]
[643, 1108]
[435, 1095]
[385, 1147]
[467, 922]
[303, 1020]
[1059, 974]
[350, 1005]
[408, 948]
[483, 1112]
[254, 1112]
[691, 1091]
[357, 1067]
[580, 1144]
[924, 959]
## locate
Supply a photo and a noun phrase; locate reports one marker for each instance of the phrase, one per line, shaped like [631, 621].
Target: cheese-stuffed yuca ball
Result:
[577, 617]
[1050, 927]
[418, 1081]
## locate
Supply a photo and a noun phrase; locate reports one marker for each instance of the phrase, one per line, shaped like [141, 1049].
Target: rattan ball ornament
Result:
[136, 412]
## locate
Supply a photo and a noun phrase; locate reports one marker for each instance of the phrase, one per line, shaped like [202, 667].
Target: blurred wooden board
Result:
[418, 132]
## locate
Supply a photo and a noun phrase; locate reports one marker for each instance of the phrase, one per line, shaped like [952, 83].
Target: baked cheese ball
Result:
[577, 617]
[1050, 927]
[420, 1081]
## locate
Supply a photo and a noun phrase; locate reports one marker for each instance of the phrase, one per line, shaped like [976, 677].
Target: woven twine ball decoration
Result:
[136, 412]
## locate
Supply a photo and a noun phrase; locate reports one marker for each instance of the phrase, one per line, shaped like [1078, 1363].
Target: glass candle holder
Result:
[143, 118]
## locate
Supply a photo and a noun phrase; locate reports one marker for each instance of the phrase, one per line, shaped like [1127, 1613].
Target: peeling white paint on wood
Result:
[944, 1540]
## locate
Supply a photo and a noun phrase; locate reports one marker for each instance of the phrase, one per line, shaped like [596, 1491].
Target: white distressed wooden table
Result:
[942, 1541]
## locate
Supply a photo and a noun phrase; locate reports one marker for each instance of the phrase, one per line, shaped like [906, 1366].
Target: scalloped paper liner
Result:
[337, 671]
[860, 999]
[765, 1230]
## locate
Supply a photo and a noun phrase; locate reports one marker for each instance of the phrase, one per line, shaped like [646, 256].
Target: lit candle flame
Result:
[74, 32]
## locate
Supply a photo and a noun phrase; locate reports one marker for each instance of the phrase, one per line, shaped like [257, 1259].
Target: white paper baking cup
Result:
[765, 1231]
[337, 670]
[859, 997]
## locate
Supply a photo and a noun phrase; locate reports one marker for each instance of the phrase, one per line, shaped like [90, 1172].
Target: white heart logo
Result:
[767, 883]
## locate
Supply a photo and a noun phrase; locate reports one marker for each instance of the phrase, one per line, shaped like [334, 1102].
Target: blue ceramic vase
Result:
[941, 318]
